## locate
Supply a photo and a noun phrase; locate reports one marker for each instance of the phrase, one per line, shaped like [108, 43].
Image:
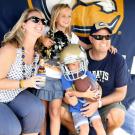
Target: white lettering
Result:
[101, 75]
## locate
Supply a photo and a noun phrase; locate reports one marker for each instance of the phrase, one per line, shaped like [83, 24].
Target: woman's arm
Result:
[7, 58]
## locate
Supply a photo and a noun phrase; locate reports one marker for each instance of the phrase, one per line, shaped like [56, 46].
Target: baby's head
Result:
[73, 62]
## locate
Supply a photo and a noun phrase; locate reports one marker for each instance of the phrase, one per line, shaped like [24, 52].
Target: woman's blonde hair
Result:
[55, 13]
[16, 35]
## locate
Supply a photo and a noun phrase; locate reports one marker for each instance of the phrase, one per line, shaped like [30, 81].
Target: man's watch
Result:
[100, 103]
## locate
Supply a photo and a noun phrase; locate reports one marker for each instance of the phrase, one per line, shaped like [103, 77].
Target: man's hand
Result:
[90, 94]
[89, 109]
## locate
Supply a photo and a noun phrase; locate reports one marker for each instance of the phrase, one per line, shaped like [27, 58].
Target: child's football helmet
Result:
[71, 54]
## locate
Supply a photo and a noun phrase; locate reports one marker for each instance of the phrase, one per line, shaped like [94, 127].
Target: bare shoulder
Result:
[7, 57]
[7, 54]
[8, 51]
[8, 48]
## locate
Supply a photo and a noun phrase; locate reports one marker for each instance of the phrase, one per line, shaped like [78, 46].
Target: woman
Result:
[21, 111]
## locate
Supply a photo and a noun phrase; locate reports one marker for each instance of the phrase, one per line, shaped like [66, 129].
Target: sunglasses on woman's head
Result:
[36, 20]
[101, 37]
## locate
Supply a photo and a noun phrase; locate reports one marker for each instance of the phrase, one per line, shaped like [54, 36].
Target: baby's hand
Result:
[72, 100]
[70, 93]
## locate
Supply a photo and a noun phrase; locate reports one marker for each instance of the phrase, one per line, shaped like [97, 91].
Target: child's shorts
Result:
[80, 119]
[52, 90]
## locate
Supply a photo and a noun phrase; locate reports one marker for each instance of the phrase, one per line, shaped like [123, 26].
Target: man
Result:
[111, 73]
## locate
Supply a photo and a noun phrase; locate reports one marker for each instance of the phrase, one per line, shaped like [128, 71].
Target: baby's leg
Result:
[81, 123]
[97, 124]
[84, 129]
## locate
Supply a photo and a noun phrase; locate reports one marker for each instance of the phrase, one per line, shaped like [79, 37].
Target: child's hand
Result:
[48, 42]
[113, 50]
[70, 93]
[72, 100]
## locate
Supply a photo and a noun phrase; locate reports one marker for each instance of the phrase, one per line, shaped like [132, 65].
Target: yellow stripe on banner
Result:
[30, 3]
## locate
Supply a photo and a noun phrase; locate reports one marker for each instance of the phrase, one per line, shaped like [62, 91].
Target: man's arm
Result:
[117, 96]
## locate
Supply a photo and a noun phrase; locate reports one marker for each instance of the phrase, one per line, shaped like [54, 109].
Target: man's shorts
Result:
[105, 110]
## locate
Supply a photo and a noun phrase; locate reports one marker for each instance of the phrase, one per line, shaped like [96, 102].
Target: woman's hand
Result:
[34, 82]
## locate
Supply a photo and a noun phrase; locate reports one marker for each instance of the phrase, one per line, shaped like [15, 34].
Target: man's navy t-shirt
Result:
[111, 72]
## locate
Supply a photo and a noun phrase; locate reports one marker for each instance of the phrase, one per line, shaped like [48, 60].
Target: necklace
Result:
[35, 61]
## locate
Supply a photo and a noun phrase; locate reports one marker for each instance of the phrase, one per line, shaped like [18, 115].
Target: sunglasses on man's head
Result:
[36, 20]
[101, 37]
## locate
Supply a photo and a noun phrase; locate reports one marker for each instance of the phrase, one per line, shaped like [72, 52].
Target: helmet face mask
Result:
[69, 56]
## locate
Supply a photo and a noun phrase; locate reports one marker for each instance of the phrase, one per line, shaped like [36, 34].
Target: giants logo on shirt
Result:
[88, 12]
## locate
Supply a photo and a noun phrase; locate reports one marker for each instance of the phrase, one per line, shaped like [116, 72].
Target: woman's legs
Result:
[30, 111]
[54, 111]
[9, 123]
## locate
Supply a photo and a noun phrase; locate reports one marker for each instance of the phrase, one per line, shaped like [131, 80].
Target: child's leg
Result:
[81, 123]
[84, 129]
[54, 111]
[44, 125]
[98, 126]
